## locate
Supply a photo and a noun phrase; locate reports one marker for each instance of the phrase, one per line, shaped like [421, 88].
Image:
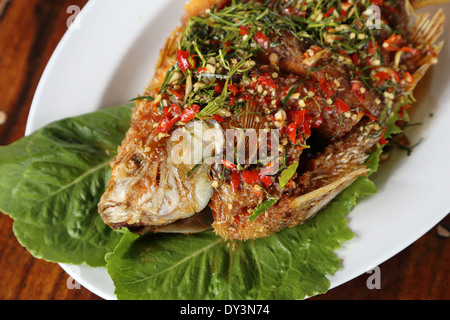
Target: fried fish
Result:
[261, 112]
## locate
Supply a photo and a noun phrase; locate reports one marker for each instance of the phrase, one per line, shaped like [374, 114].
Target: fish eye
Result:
[134, 163]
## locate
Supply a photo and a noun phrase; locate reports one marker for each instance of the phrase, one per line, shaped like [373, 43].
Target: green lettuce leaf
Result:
[52, 180]
[291, 264]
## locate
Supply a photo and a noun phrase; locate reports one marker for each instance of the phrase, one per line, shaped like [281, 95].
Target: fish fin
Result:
[313, 201]
[417, 4]
[424, 33]
[250, 118]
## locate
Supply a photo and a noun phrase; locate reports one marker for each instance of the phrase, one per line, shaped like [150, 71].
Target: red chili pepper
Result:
[233, 101]
[382, 139]
[393, 43]
[192, 61]
[176, 109]
[329, 109]
[201, 70]
[250, 177]
[233, 88]
[288, 11]
[299, 117]
[266, 180]
[356, 88]
[235, 180]
[179, 93]
[381, 76]
[301, 120]
[227, 45]
[246, 97]
[244, 30]
[171, 116]
[328, 13]
[410, 50]
[341, 106]
[218, 88]
[164, 125]
[325, 87]
[189, 113]
[291, 182]
[377, 2]
[183, 60]
[292, 132]
[228, 164]
[266, 80]
[166, 110]
[397, 78]
[217, 118]
[261, 39]
[317, 122]
[408, 77]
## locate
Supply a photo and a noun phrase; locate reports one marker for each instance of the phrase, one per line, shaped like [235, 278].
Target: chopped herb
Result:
[143, 98]
[193, 169]
[262, 208]
[198, 165]
[291, 91]
[287, 174]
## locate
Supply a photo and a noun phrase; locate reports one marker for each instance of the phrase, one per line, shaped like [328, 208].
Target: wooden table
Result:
[29, 32]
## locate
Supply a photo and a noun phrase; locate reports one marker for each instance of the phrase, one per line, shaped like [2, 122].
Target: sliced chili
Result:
[292, 132]
[217, 118]
[266, 180]
[171, 116]
[261, 39]
[235, 180]
[341, 106]
[234, 89]
[228, 164]
[243, 30]
[185, 60]
[250, 177]
[189, 113]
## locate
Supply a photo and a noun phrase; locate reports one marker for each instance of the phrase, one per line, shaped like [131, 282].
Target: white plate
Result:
[111, 59]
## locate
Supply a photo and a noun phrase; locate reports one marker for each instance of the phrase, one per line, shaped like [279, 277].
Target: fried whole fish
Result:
[261, 112]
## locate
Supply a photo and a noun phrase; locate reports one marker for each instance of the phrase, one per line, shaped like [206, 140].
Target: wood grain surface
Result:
[29, 33]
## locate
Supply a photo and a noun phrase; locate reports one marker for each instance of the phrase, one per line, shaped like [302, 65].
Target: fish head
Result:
[152, 189]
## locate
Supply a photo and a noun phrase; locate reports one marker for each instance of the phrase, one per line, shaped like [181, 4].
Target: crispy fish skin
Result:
[348, 136]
